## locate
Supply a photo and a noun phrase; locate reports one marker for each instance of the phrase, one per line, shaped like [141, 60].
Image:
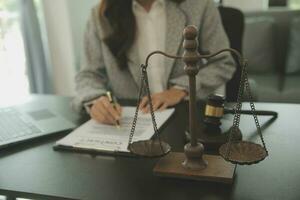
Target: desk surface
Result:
[34, 170]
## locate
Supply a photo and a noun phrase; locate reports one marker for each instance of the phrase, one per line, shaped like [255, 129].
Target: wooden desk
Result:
[34, 170]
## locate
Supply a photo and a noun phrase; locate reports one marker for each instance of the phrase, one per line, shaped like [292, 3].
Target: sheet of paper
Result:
[93, 135]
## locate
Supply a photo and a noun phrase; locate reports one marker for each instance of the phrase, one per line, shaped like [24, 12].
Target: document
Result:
[95, 136]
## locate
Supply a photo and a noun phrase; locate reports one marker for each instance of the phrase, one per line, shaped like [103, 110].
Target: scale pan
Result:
[149, 148]
[243, 153]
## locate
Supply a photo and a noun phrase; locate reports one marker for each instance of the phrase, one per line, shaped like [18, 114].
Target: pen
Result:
[113, 102]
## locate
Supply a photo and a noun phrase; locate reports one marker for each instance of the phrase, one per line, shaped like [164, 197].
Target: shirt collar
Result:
[156, 3]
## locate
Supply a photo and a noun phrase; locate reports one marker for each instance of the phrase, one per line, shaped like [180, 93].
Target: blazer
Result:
[101, 72]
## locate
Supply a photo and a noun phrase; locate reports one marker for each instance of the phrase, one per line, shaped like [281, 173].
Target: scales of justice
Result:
[193, 163]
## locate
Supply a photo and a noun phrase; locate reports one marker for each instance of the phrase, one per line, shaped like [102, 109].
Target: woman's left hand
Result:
[163, 100]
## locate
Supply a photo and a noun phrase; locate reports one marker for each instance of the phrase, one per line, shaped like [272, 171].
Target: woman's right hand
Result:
[104, 112]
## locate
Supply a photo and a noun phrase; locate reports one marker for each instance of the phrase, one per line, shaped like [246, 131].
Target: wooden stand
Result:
[193, 164]
[217, 170]
[211, 141]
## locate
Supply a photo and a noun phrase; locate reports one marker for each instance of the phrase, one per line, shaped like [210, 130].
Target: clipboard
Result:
[95, 152]
[95, 138]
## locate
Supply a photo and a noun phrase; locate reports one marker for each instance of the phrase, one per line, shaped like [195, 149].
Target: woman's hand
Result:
[104, 112]
[163, 100]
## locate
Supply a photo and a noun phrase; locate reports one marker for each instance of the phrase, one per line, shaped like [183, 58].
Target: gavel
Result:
[215, 109]
[211, 135]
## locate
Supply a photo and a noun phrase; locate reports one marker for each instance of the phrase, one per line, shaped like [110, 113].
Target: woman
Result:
[119, 36]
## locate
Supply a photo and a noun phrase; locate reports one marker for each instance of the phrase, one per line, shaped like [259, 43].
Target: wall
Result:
[247, 5]
[79, 11]
[295, 4]
[60, 45]
[65, 23]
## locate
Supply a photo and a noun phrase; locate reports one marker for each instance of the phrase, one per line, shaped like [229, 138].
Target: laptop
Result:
[29, 121]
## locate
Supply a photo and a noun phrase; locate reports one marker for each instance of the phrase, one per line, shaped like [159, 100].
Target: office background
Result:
[61, 24]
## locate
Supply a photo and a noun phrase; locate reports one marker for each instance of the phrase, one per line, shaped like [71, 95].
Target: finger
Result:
[99, 113]
[97, 116]
[93, 115]
[101, 99]
[143, 103]
[99, 119]
[163, 107]
[107, 115]
[111, 110]
[157, 105]
[146, 108]
[101, 109]
[119, 109]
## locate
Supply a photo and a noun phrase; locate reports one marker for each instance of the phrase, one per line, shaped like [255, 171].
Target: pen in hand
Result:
[113, 102]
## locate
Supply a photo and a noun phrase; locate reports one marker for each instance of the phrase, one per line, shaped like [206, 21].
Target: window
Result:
[13, 77]
[295, 4]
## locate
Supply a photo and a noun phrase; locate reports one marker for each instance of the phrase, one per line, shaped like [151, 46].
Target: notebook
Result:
[93, 136]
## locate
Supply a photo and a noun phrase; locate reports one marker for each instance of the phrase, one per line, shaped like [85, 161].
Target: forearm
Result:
[89, 86]
[212, 75]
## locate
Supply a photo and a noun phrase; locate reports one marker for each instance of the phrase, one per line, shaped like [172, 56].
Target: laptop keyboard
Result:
[13, 126]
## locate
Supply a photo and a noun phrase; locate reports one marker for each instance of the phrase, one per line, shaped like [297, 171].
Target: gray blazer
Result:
[101, 72]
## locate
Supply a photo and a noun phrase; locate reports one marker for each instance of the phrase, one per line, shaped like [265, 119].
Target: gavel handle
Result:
[249, 112]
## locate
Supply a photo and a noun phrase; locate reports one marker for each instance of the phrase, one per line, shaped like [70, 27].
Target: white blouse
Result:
[151, 36]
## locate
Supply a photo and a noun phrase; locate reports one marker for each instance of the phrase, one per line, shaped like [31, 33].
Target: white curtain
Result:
[38, 69]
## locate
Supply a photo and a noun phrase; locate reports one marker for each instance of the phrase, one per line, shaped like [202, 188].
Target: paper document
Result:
[95, 136]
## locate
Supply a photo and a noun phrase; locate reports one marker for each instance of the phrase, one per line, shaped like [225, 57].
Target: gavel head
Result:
[214, 109]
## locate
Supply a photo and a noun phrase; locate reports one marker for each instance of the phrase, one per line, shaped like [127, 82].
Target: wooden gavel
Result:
[215, 109]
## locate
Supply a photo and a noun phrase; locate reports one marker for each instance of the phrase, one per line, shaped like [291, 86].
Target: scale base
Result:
[218, 170]
[213, 140]
[210, 141]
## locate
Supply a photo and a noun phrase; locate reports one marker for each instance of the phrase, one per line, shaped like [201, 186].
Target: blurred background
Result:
[41, 46]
